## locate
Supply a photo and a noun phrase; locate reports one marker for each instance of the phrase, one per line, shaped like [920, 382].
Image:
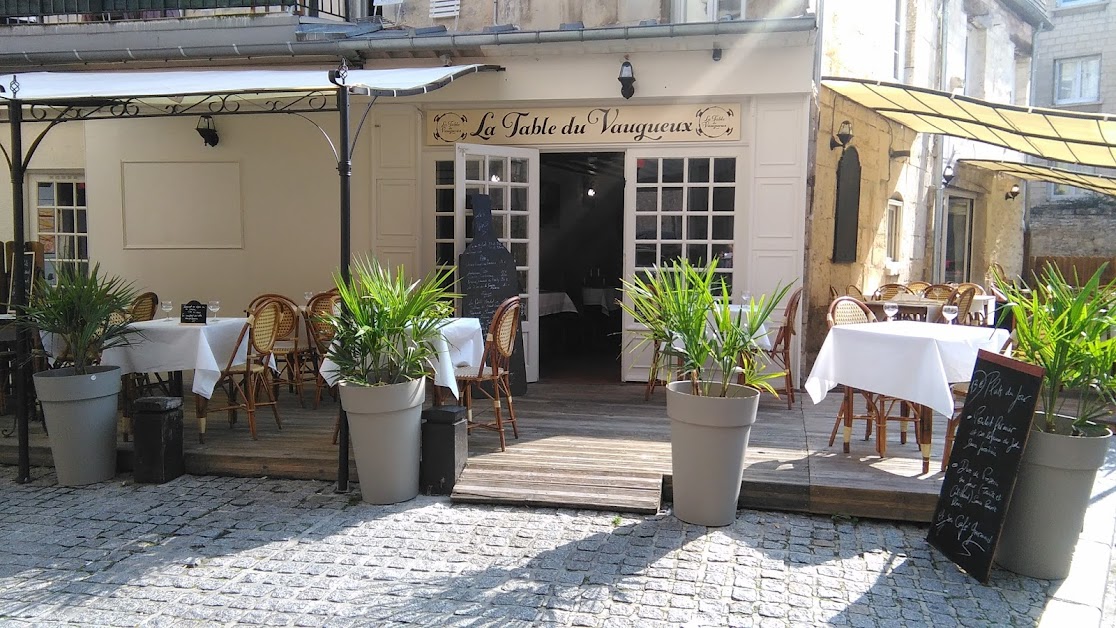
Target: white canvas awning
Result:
[1035, 172]
[74, 87]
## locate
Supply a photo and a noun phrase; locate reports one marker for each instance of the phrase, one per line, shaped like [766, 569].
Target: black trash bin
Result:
[445, 448]
[157, 428]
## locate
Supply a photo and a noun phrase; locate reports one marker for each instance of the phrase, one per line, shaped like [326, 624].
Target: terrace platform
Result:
[591, 445]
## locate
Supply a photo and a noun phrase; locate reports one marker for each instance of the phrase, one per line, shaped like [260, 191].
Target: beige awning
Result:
[1081, 138]
[1034, 172]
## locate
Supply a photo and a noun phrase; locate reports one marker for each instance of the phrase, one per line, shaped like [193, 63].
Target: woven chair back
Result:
[853, 290]
[847, 310]
[505, 322]
[318, 328]
[938, 292]
[963, 299]
[916, 287]
[264, 324]
[975, 286]
[890, 291]
[287, 325]
[144, 306]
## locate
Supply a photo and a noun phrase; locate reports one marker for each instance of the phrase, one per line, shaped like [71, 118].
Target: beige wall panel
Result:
[396, 205]
[782, 156]
[395, 147]
[778, 212]
[181, 205]
[394, 257]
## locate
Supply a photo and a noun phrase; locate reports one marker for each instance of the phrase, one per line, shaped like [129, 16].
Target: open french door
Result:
[510, 177]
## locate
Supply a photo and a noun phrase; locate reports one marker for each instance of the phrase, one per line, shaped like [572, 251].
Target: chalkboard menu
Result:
[991, 435]
[193, 313]
[488, 278]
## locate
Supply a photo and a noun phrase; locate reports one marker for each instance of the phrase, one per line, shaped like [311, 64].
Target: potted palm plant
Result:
[80, 316]
[1069, 332]
[713, 405]
[383, 349]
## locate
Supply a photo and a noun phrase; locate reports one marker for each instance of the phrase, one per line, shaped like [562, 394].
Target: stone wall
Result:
[1079, 227]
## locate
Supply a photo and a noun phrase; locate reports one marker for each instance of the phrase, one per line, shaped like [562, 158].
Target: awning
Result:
[171, 92]
[1034, 172]
[1082, 138]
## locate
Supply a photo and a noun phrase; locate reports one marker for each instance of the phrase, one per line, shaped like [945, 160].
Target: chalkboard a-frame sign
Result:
[991, 436]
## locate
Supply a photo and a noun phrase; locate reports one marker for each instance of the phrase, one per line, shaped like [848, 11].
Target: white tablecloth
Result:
[909, 360]
[985, 303]
[555, 303]
[171, 346]
[604, 298]
[461, 344]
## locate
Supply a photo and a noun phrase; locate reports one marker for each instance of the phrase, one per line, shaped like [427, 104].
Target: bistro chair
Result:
[848, 310]
[853, 290]
[916, 287]
[833, 293]
[963, 299]
[938, 292]
[319, 334]
[243, 382]
[780, 351]
[286, 349]
[492, 377]
[890, 291]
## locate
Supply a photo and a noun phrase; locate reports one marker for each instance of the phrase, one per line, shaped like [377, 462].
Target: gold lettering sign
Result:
[584, 125]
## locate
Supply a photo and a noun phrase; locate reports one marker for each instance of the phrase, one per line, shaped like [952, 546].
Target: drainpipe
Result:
[1031, 97]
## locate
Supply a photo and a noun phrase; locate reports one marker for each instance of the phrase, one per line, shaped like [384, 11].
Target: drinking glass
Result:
[891, 309]
[949, 312]
[746, 298]
[167, 306]
[214, 306]
[308, 295]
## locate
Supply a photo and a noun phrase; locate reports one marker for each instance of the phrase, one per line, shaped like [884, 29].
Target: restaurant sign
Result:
[584, 125]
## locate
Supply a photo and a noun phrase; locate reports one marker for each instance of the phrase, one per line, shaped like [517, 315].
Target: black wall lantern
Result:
[947, 175]
[207, 131]
[627, 80]
[843, 137]
[1012, 193]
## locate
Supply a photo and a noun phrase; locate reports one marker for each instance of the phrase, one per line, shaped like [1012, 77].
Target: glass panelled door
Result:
[959, 239]
[510, 177]
[677, 206]
[59, 222]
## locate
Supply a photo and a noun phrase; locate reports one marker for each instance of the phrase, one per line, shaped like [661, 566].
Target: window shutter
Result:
[444, 8]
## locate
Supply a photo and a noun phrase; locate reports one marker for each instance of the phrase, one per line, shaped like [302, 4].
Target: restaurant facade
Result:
[702, 153]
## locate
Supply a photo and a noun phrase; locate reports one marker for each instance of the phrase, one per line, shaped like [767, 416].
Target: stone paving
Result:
[234, 551]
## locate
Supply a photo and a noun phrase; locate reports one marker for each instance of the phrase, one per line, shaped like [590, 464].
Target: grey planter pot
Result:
[385, 423]
[80, 412]
[708, 442]
[1047, 509]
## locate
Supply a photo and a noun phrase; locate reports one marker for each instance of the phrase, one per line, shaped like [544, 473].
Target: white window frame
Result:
[1064, 191]
[59, 243]
[1078, 96]
[899, 61]
[1074, 3]
[710, 10]
[893, 221]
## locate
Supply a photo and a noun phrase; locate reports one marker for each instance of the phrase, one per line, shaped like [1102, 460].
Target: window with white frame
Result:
[900, 41]
[60, 222]
[1077, 80]
[894, 227]
[1073, 3]
[707, 10]
[1064, 191]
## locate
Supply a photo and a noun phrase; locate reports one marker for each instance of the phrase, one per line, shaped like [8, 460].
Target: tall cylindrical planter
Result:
[80, 412]
[1047, 508]
[385, 425]
[708, 442]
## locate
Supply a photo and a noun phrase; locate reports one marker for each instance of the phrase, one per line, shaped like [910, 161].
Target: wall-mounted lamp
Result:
[1012, 193]
[716, 54]
[627, 80]
[947, 175]
[207, 131]
[843, 137]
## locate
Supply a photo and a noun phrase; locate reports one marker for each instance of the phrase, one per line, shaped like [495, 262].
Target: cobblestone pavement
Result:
[211, 551]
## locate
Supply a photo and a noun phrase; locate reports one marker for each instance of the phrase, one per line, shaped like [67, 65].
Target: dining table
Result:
[461, 344]
[910, 360]
[911, 307]
[165, 344]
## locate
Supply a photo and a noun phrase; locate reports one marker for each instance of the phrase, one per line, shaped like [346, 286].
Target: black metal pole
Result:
[345, 173]
[19, 291]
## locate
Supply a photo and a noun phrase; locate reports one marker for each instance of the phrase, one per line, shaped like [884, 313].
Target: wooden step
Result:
[593, 489]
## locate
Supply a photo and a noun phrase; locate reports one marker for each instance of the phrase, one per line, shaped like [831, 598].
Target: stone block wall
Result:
[1078, 227]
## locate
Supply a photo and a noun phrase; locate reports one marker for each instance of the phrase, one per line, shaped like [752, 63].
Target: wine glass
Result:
[891, 308]
[949, 312]
[215, 306]
[167, 306]
[308, 295]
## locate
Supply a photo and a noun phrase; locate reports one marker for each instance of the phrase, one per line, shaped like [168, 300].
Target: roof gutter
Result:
[352, 48]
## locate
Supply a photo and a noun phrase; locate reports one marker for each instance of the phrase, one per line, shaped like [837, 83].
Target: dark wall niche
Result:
[847, 213]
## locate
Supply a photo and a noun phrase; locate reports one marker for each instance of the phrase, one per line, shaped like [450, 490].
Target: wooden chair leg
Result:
[496, 411]
[653, 374]
[511, 408]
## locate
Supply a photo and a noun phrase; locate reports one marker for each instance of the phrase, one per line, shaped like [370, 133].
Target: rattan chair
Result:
[963, 299]
[853, 290]
[916, 287]
[319, 334]
[780, 351]
[890, 291]
[848, 310]
[286, 350]
[491, 378]
[243, 382]
[938, 292]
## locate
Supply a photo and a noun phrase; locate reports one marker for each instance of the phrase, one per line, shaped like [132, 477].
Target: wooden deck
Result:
[593, 445]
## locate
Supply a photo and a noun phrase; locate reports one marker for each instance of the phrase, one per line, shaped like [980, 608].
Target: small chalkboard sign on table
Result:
[991, 436]
[193, 313]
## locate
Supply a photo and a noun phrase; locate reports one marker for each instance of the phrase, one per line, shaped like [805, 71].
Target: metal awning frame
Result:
[1099, 184]
[157, 103]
